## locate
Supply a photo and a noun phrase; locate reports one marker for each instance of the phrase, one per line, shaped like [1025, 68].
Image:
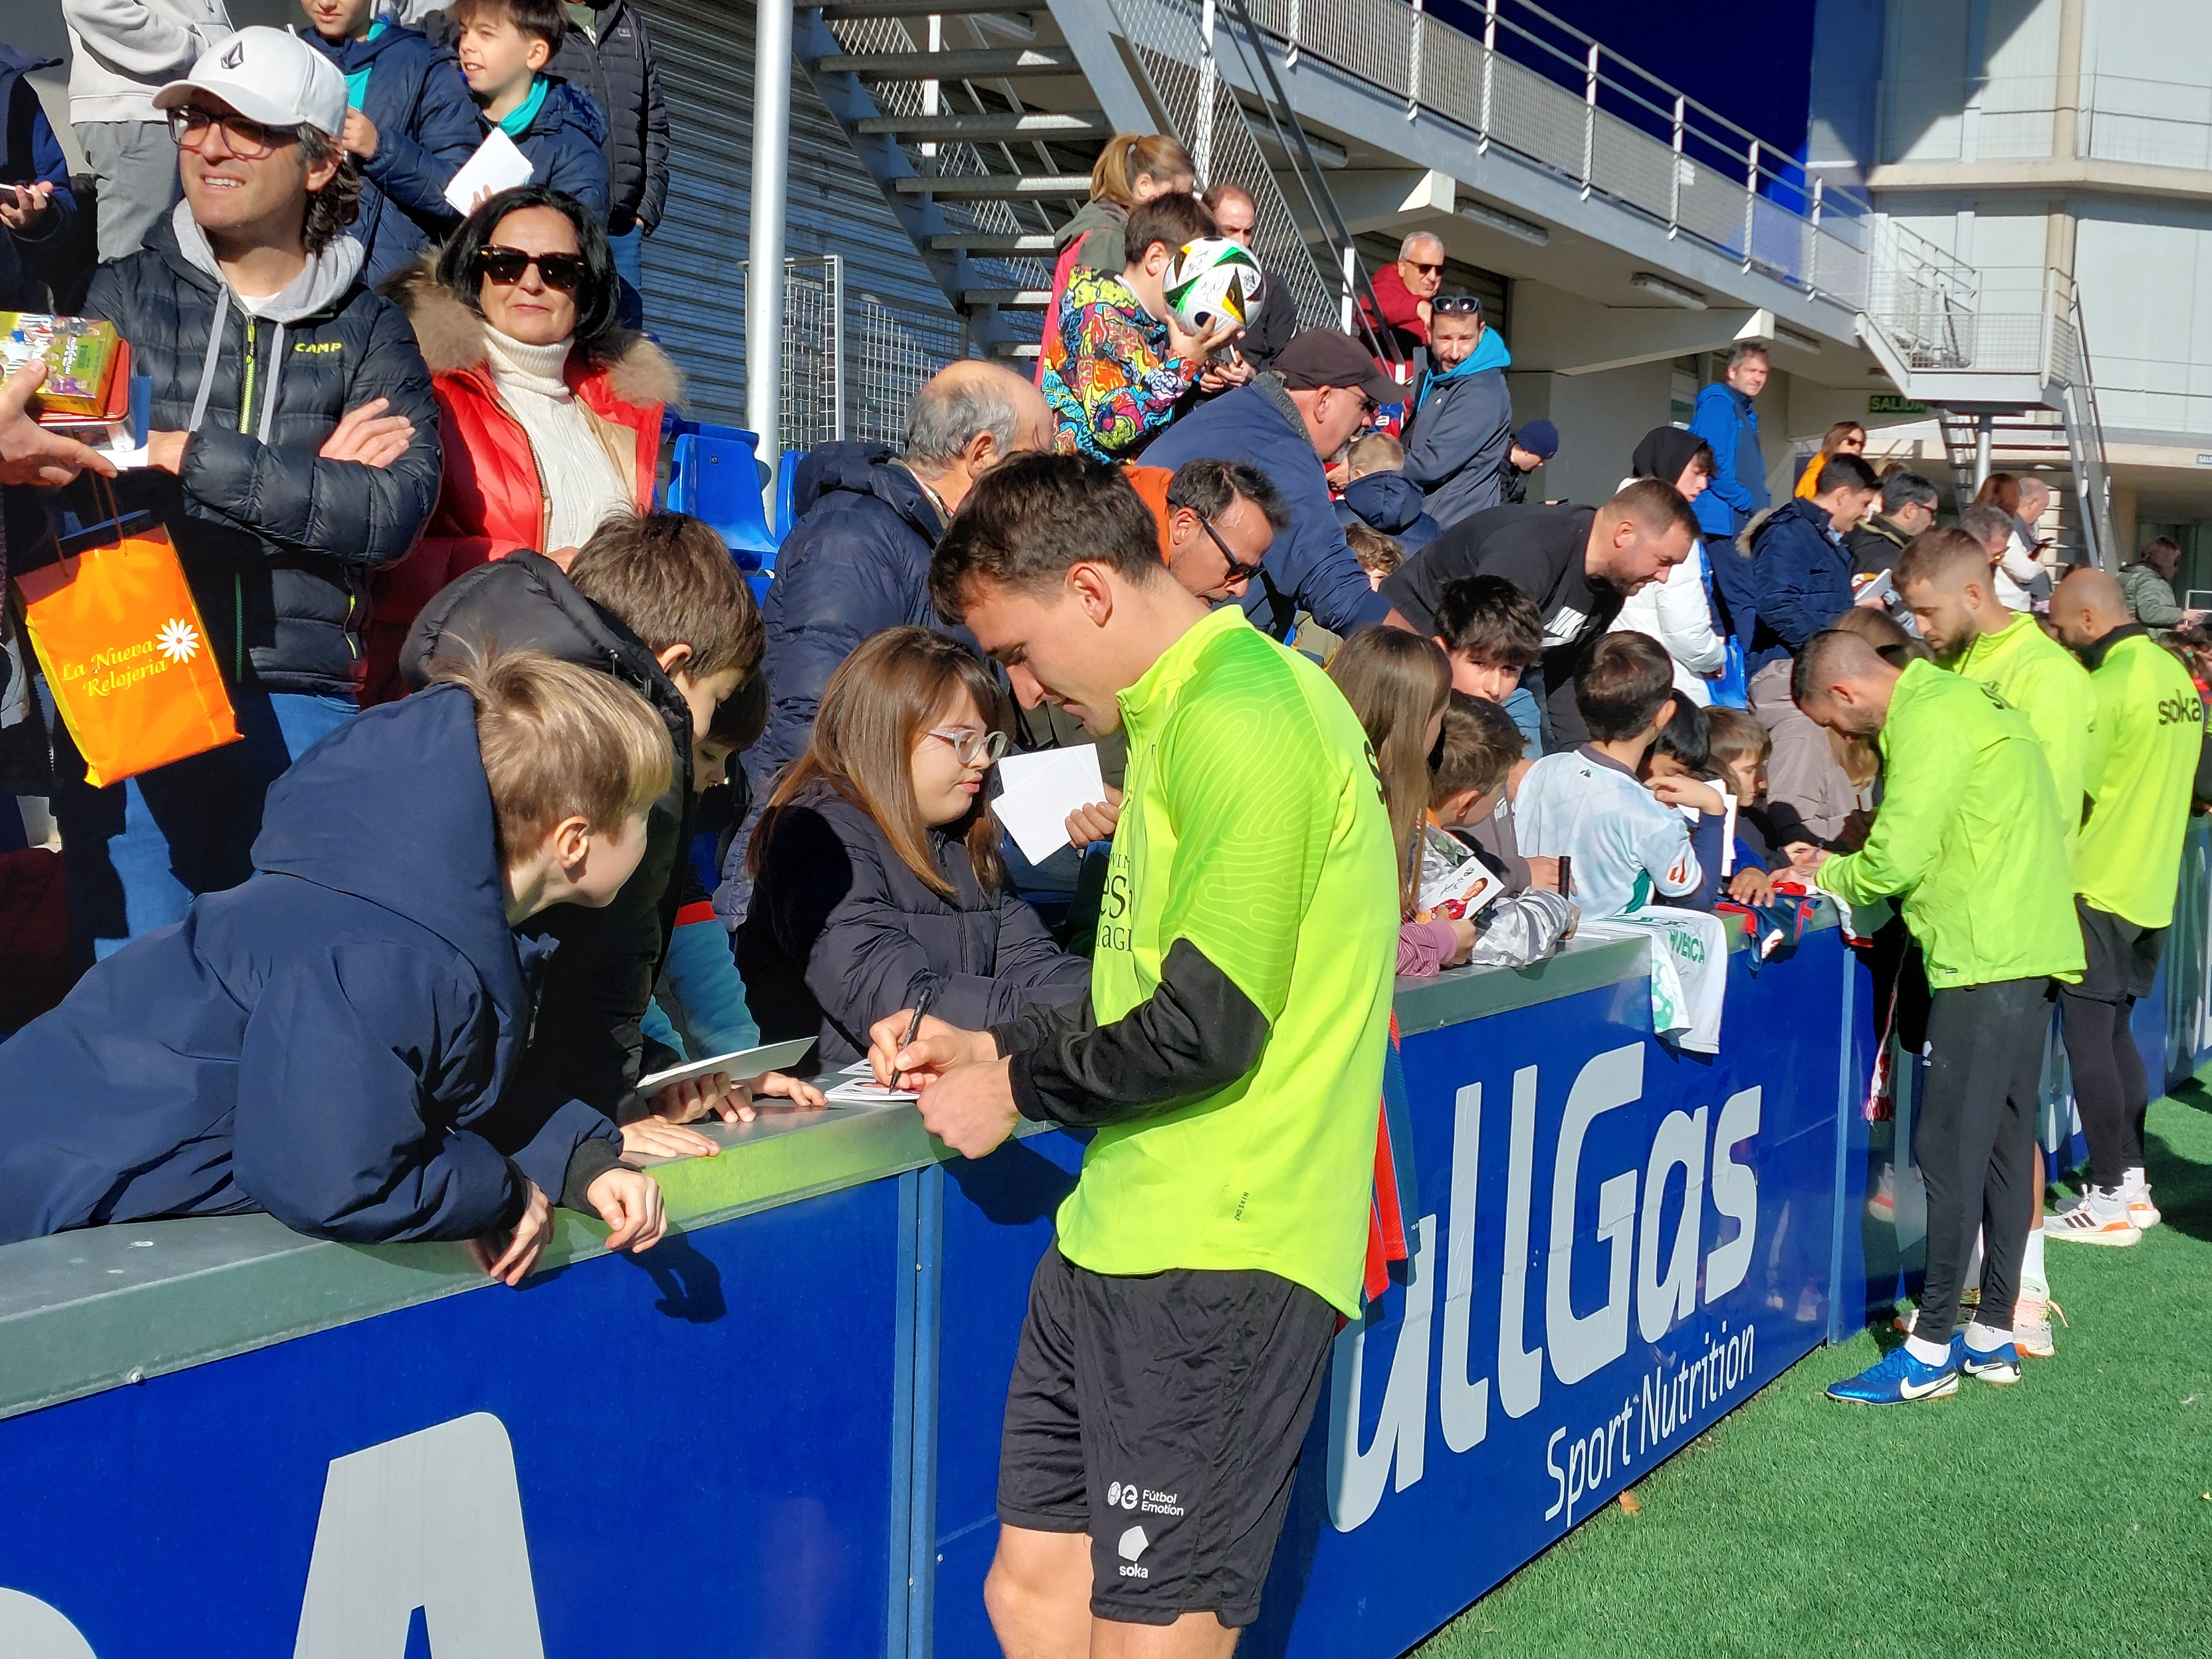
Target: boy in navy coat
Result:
[504, 47]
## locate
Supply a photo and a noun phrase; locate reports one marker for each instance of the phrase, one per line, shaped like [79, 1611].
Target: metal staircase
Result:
[981, 121]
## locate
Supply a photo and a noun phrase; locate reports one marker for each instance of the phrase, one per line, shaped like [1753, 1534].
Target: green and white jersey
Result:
[1252, 828]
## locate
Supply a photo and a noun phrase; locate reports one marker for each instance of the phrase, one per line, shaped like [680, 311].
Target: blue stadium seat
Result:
[715, 475]
[787, 470]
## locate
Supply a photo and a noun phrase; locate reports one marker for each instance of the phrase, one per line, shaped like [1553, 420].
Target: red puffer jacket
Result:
[491, 499]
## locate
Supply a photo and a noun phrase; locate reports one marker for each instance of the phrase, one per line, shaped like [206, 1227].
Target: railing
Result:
[1548, 91]
[2085, 433]
[2112, 117]
[1926, 300]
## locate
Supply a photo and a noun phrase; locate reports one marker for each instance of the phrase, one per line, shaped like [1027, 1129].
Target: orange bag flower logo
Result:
[178, 641]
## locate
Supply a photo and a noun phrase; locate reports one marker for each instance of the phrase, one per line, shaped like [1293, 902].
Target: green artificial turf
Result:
[2068, 1515]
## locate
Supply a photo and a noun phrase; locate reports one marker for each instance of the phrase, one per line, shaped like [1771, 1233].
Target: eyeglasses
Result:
[505, 266]
[974, 748]
[247, 140]
[1456, 304]
[1238, 570]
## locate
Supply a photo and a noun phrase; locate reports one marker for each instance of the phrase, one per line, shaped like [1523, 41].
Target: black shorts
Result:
[2122, 958]
[1163, 1415]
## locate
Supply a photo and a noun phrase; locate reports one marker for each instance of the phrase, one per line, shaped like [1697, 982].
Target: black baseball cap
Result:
[1327, 357]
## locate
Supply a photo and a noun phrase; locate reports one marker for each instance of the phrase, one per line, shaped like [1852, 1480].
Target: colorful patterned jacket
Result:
[1107, 374]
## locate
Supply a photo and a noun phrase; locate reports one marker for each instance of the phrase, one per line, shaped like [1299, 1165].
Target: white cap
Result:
[269, 76]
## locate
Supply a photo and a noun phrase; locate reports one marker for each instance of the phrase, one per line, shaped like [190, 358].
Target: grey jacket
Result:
[1457, 442]
[121, 51]
[2150, 597]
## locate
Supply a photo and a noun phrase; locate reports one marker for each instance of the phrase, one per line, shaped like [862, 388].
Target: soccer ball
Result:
[1212, 281]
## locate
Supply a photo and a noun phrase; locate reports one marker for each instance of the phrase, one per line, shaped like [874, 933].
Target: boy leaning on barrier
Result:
[331, 1042]
[1972, 842]
[1230, 1056]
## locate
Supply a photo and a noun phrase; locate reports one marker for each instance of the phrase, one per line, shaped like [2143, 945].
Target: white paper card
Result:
[1037, 792]
[499, 164]
[859, 1092]
[740, 1064]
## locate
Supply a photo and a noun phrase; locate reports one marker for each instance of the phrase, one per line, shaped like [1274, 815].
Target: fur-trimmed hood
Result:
[452, 336]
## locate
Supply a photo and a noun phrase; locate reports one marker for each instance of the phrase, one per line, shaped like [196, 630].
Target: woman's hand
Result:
[511, 1260]
[935, 1049]
[655, 1136]
[630, 1203]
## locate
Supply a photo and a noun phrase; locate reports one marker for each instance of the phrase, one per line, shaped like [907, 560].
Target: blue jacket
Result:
[33, 154]
[1310, 567]
[1725, 419]
[1390, 502]
[564, 141]
[328, 1043]
[1801, 572]
[1460, 433]
[426, 128]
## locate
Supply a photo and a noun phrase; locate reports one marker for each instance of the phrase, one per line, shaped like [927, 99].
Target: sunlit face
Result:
[1847, 506]
[610, 862]
[1852, 442]
[1453, 338]
[1946, 623]
[1746, 777]
[496, 57]
[1339, 414]
[710, 764]
[1421, 268]
[1234, 219]
[1200, 563]
[338, 19]
[1913, 517]
[1691, 484]
[1749, 376]
[530, 309]
[946, 786]
[232, 189]
[1637, 556]
[1051, 650]
[1487, 680]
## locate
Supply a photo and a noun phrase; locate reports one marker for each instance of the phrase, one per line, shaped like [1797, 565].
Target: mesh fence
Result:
[888, 353]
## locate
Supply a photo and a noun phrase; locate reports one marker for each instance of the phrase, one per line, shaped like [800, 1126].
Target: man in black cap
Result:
[1322, 392]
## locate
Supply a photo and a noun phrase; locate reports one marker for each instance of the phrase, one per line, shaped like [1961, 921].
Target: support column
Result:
[764, 249]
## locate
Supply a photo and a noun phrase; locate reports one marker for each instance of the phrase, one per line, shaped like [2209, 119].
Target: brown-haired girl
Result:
[877, 870]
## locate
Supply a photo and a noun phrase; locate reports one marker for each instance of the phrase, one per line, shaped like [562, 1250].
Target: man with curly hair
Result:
[293, 449]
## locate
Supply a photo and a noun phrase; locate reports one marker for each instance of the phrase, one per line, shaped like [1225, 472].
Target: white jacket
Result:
[2016, 573]
[121, 51]
[1676, 613]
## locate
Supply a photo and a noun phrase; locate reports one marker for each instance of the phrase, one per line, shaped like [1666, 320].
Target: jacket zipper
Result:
[245, 378]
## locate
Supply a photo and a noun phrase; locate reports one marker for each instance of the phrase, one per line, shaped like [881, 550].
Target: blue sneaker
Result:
[1999, 1366]
[1898, 1379]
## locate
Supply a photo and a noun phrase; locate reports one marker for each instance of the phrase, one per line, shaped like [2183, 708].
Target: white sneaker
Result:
[2031, 1327]
[2141, 1209]
[2097, 1217]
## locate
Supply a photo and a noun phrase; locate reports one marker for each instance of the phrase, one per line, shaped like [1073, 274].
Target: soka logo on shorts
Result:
[1133, 1546]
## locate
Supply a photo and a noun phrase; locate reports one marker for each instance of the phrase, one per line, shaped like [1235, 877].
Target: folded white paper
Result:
[739, 1065]
[499, 164]
[1039, 791]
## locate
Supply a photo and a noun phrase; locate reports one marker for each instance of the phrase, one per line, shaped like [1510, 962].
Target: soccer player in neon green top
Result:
[2125, 876]
[1969, 836]
[1230, 1058]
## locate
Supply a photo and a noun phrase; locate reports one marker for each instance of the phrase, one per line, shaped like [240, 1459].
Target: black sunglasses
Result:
[505, 266]
[1456, 304]
[1238, 570]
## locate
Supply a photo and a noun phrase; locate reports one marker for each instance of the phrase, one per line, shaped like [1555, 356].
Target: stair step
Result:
[1001, 245]
[1018, 61]
[861, 11]
[1008, 299]
[999, 186]
[1029, 124]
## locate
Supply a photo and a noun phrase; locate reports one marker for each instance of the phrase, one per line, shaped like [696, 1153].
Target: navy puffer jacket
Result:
[566, 143]
[426, 130]
[330, 1042]
[856, 561]
[842, 933]
[276, 543]
[614, 64]
[1802, 573]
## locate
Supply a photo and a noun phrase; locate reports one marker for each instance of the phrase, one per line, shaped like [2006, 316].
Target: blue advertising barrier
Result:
[777, 1433]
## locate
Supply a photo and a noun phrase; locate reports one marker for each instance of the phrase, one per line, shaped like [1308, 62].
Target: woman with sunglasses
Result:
[877, 874]
[549, 409]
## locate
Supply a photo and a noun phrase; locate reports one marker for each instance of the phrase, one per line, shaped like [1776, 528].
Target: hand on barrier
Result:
[1753, 887]
[655, 1136]
[511, 1262]
[971, 1107]
[629, 1202]
[937, 1049]
[367, 435]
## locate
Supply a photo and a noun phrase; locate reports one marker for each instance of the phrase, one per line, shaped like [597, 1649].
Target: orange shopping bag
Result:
[124, 652]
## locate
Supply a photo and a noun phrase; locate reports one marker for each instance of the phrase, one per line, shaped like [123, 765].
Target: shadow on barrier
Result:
[1015, 1186]
[691, 1285]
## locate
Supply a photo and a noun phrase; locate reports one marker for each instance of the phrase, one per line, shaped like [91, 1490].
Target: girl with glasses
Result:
[877, 872]
[549, 410]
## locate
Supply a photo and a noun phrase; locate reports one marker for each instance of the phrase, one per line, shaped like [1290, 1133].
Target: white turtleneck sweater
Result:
[579, 476]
